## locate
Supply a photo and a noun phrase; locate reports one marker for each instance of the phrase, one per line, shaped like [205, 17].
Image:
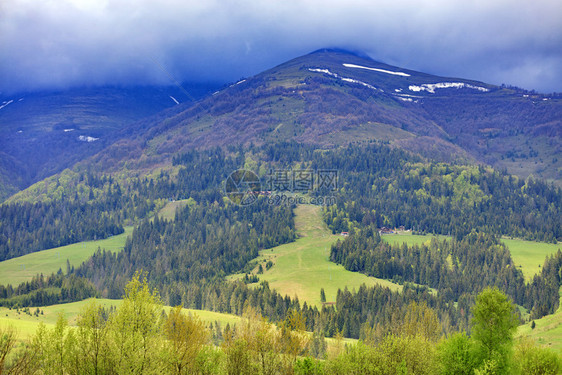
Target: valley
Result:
[300, 269]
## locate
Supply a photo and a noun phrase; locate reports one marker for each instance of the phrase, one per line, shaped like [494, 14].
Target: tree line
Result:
[29, 227]
[44, 291]
[381, 187]
[386, 186]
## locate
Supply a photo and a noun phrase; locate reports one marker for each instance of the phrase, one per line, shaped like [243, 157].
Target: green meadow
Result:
[21, 269]
[409, 239]
[303, 267]
[26, 325]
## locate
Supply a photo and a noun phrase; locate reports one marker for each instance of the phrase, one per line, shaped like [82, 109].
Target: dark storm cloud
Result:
[74, 42]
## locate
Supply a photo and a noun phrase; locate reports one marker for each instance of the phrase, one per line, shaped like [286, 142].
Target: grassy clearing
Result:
[168, 212]
[529, 256]
[302, 267]
[26, 325]
[548, 330]
[21, 269]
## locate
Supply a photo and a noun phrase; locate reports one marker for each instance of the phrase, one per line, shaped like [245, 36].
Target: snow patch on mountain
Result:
[5, 103]
[402, 74]
[345, 79]
[359, 82]
[431, 87]
[408, 95]
[87, 138]
[325, 71]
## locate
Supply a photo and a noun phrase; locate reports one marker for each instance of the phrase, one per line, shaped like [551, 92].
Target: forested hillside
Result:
[384, 186]
[30, 227]
[202, 244]
[79, 206]
[188, 258]
[378, 185]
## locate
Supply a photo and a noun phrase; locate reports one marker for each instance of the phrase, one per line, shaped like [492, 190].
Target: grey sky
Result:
[60, 43]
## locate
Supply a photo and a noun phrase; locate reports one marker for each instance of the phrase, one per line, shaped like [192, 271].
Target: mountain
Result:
[327, 98]
[333, 97]
[44, 133]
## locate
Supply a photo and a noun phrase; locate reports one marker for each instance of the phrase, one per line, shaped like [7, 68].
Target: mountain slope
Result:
[332, 97]
[43, 133]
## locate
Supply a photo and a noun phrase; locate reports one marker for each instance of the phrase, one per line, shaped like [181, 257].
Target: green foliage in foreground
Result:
[493, 326]
[140, 338]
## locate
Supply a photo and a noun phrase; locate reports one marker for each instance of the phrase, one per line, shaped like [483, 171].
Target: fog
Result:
[58, 44]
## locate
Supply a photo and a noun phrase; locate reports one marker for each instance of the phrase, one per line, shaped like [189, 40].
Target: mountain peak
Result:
[356, 53]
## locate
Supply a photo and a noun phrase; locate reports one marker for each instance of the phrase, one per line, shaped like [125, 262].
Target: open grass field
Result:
[529, 256]
[548, 330]
[26, 325]
[302, 267]
[168, 212]
[17, 270]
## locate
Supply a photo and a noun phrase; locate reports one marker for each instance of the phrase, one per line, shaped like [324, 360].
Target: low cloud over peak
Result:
[65, 43]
